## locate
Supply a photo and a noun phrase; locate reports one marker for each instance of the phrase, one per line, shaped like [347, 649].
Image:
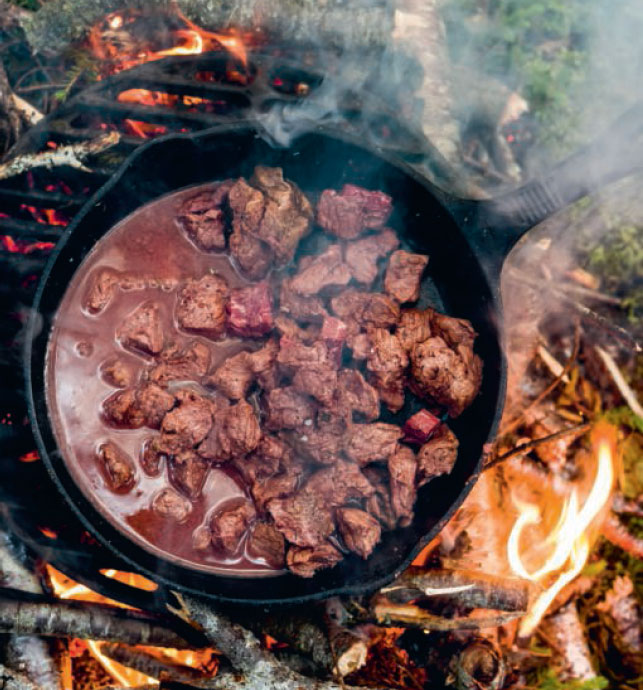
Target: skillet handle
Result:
[617, 152]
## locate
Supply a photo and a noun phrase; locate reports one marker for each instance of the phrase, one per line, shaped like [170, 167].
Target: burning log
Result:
[148, 664]
[72, 155]
[480, 666]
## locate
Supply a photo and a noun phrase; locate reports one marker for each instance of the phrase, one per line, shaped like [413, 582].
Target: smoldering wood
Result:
[9, 680]
[470, 589]
[365, 23]
[148, 664]
[565, 628]
[25, 614]
[480, 666]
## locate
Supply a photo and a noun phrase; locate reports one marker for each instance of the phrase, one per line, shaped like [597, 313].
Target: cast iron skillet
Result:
[467, 242]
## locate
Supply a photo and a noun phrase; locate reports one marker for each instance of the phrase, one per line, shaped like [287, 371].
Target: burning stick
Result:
[615, 532]
[628, 394]
[148, 664]
[72, 156]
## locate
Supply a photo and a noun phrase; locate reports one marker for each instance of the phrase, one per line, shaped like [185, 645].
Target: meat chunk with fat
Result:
[367, 309]
[288, 409]
[304, 518]
[386, 365]
[305, 562]
[318, 382]
[437, 456]
[142, 331]
[402, 467]
[229, 525]
[370, 442]
[348, 213]
[403, 275]
[419, 427]
[414, 327]
[360, 345]
[298, 307]
[362, 255]
[103, 285]
[325, 270]
[187, 472]
[190, 363]
[358, 395]
[250, 311]
[118, 467]
[186, 425]
[359, 530]
[169, 504]
[267, 542]
[201, 306]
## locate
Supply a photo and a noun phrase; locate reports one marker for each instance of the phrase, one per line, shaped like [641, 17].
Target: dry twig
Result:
[624, 389]
[616, 533]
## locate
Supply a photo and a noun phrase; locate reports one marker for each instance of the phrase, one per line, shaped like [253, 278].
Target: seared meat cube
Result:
[247, 205]
[187, 472]
[151, 457]
[266, 542]
[360, 531]
[287, 409]
[299, 307]
[252, 255]
[386, 365]
[102, 288]
[266, 489]
[360, 345]
[201, 538]
[334, 333]
[117, 373]
[201, 306]
[293, 354]
[154, 403]
[202, 218]
[419, 427]
[229, 525]
[118, 467]
[319, 382]
[234, 377]
[324, 270]
[414, 327]
[290, 328]
[142, 330]
[339, 483]
[305, 562]
[263, 363]
[135, 407]
[362, 255]
[188, 424]
[250, 311]
[402, 468]
[358, 395]
[171, 505]
[320, 445]
[379, 504]
[270, 455]
[304, 519]
[403, 275]
[371, 442]
[371, 309]
[189, 364]
[354, 209]
[438, 455]
[241, 433]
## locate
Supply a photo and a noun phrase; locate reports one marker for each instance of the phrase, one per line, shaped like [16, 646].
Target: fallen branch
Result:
[72, 156]
[616, 533]
[624, 388]
[29, 113]
[475, 590]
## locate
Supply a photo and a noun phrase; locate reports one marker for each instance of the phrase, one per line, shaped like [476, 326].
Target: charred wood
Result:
[148, 664]
[480, 666]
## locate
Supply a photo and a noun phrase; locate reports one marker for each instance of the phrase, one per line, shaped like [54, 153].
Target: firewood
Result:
[565, 628]
[148, 664]
[621, 605]
[14, 681]
[616, 533]
[623, 506]
[480, 666]
[619, 380]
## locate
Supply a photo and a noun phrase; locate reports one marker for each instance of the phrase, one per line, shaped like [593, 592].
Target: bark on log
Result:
[148, 664]
[368, 23]
[480, 666]
[12, 681]
[566, 630]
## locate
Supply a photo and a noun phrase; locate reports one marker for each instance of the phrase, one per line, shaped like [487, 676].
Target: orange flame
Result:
[567, 545]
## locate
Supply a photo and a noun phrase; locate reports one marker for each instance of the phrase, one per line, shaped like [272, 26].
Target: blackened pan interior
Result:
[318, 160]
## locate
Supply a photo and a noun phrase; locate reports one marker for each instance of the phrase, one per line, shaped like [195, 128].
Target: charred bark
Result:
[148, 664]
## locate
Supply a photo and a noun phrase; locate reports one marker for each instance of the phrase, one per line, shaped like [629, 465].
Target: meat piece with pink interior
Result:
[325, 270]
[250, 311]
[334, 333]
[142, 330]
[360, 531]
[305, 562]
[402, 467]
[371, 442]
[201, 306]
[288, 409]
[403, 275]
[386, 365]
[304, 519]
[362, 255]
[267, 542]
[438, 455]
[190, 363]
[229, 524]
[419, 427]
[413, 327]
[118, 467]
[348, 213]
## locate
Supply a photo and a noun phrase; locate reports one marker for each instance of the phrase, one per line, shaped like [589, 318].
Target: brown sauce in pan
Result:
[149, 242]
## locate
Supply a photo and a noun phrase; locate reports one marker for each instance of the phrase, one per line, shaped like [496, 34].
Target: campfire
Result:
[533, 582]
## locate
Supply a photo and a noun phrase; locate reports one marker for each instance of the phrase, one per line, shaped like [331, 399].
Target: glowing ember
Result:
[31, 456]
[565, 548]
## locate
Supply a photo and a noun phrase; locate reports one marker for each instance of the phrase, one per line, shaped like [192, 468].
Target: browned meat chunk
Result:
[403, 275]
[202, 218]
[371, 442]
[171, 505]
[186, 425]
[201, 538]
[319, 382]
[234, 377]
[299, 307]
[304, 519]
[402, 468]
[360, 531]
[334, 333]
[201, 306]
[252, 255]
[250, 311]
[387, 364]
[189, 364]
[379, 504]
[306, 561]
[414, 327]
[360, 345]
[339, 483]
[287, 409]
[290, 328]
[263, 363]
[362, 255]
[117, 373]
[142, 330]
[135, 407]
[267, 543]
[266, 489]
[154, 403]
[117, 466]
[366, 308]
[241, 431]
[102, 288]
[438, 455]
[229, 525]
[321, 445]
[358, 395]
[323, 271]
[188, 472]
[151, 457]
[348, 213]
[247, 205]
[293, 354]
[419, 427]
[271, 455]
